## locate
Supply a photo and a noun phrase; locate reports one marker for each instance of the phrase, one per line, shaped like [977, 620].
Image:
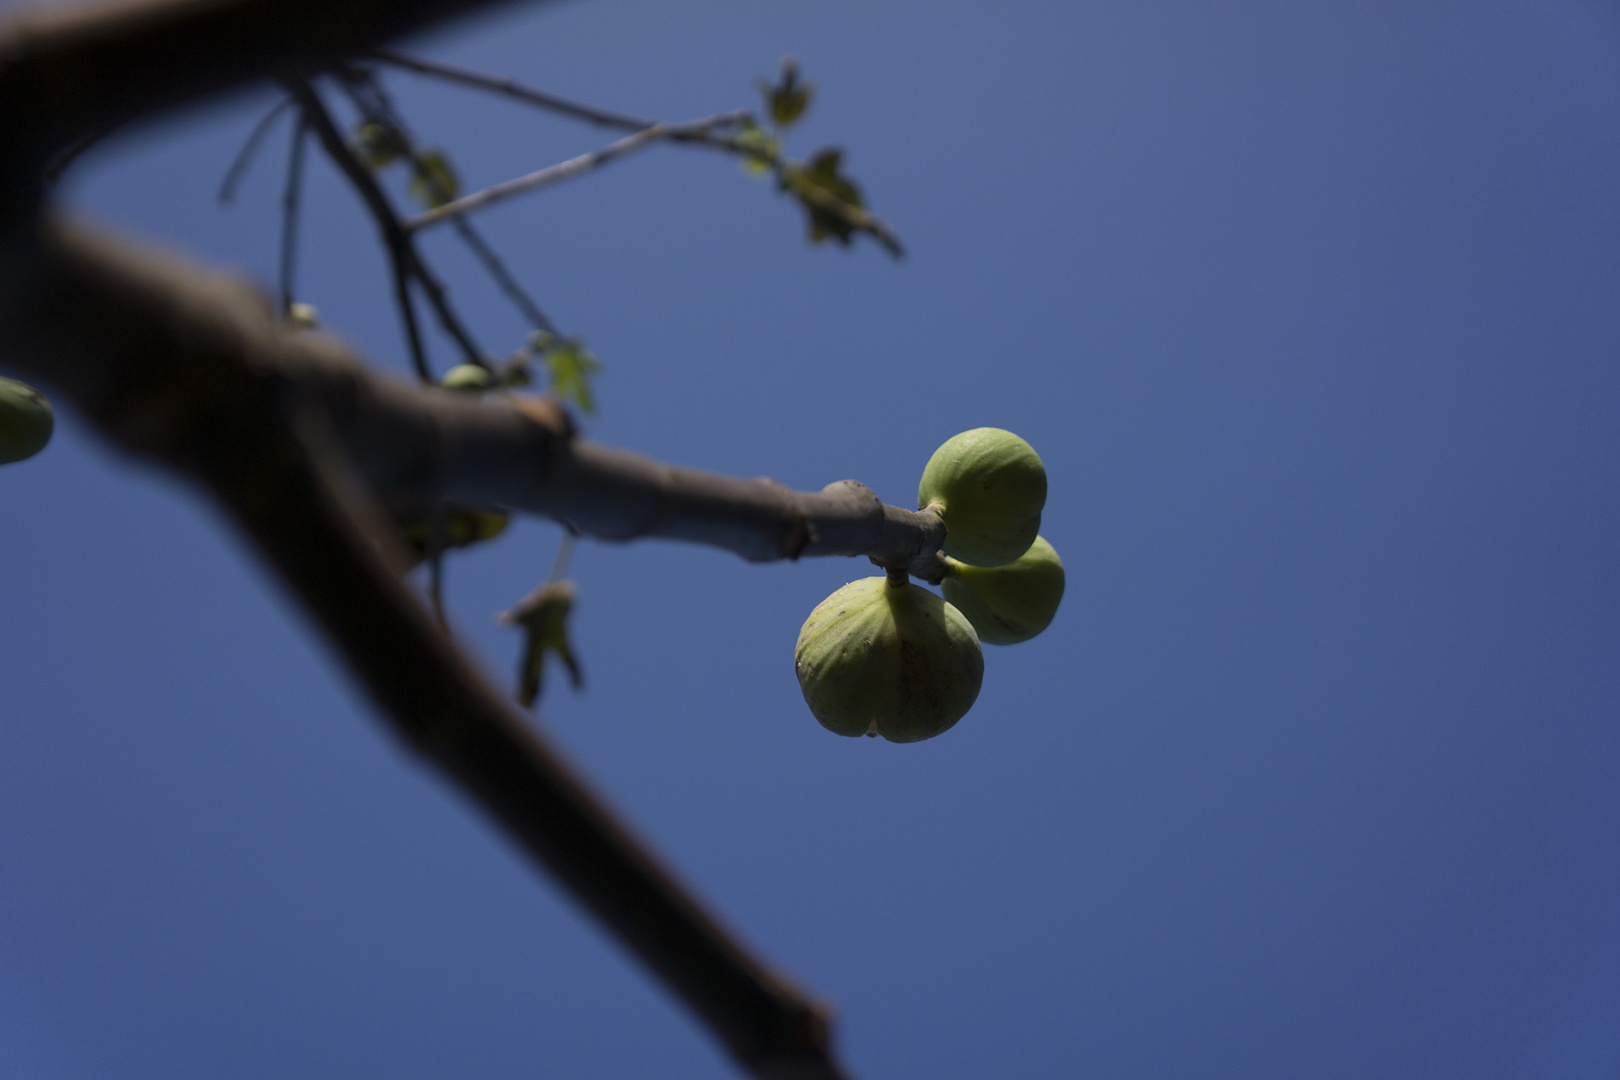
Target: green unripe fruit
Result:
[897, 662]
[469, 377]
[303, 316]
[26, 421]
[1011, 603]
[989, 486]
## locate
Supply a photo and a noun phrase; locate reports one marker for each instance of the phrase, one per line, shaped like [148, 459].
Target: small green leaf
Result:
[760, 148]
[434, 182]
[572, 369]
[831, 201]
[786, 100]
[543, 615]
[378, 146]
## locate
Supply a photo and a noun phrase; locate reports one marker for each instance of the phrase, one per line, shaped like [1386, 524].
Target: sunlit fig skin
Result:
[26, 421]
[899, 662]
[1011, 603]
[989, 486]
[469, 377]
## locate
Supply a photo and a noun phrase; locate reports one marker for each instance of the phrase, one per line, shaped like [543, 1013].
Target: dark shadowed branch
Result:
[377, 108]
[310, 453]
[290, 198]
[250, 149]
[197, 373]
[408, 262]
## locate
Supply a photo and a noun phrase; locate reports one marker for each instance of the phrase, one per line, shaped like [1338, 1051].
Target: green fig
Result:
[26, 421]
[1011, 603]
[989, 486]
[469, 377]
[303, 316]
[896, 661]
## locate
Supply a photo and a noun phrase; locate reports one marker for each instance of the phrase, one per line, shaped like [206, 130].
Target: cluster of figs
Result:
[884, 656]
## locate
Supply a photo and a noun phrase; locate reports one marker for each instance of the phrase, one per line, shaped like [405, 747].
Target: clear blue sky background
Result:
[1313, 312]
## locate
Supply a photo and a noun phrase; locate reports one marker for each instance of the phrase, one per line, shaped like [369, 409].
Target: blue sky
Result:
[1311, 312]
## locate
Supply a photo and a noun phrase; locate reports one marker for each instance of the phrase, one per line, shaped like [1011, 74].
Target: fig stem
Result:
[898, 576]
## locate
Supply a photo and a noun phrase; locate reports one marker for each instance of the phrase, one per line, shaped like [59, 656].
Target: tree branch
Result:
[69, 70]
[197, 374]
[401, 248]
[513, 89]
[368, 95]
[571, 168]
[414, 445]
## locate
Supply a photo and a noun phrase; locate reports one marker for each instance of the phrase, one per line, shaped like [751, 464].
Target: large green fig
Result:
[1011, 603]
[26, 421]
[876, 659]
[989, 486]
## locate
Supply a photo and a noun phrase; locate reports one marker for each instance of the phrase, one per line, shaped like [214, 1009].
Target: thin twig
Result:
[289, 215]
[69, 154]
[244, 156]
[565, 552]
[407, 314]
[514, 89]
[372, 99]
[436, 587]
[504, 279]
[395, 237]
[573, 167]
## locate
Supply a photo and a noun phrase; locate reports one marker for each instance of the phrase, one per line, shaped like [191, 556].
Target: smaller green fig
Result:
[877, 659]
[26, 421]
[989, 486]
[1011, 603]
[468, 377]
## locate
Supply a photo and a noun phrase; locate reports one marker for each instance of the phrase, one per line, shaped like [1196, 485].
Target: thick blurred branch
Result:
[299, 442]
[412, 446]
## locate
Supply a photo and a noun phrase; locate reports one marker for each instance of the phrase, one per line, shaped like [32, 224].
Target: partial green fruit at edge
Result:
[899, 661]
[26, 421]
[989, 486]
[1011, 603]
[469, 377]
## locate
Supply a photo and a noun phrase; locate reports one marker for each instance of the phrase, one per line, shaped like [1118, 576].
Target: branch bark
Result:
[128, 365]
[198, 375]
[294, 437]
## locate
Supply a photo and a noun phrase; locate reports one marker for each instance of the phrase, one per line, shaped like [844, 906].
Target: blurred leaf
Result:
[831, 200]
[543, 614]
[572, 369]
[460, 528]
[434, 181]
[760, 148]
[786, 101]
[377, 145]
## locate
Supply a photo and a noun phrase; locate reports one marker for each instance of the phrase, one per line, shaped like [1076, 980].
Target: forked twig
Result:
[374, 103]
[250, 147]
[408, 263]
